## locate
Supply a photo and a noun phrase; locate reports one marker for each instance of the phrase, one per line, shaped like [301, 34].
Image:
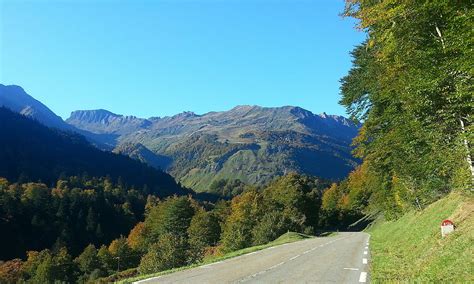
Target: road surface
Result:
[342, 258]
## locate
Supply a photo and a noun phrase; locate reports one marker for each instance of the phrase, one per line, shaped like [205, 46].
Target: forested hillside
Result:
[74, 212]
[176, 231]
[33, 152]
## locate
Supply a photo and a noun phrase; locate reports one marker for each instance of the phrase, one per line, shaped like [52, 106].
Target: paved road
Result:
[339, 259]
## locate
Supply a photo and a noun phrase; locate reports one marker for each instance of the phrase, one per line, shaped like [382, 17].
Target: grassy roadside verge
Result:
[283, 239]
[411, 249]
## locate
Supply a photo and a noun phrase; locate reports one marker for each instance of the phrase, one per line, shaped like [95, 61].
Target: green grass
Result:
[411, 249]
[283, 239]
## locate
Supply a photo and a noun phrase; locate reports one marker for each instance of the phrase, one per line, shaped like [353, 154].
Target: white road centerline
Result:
[276, 265]
[146, 280]
[281, 263]
[295, 257]
[363, 277]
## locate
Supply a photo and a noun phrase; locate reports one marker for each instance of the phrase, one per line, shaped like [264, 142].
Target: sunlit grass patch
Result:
[411, 248]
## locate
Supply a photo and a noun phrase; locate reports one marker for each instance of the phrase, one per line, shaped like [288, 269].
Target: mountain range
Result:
[250, 143]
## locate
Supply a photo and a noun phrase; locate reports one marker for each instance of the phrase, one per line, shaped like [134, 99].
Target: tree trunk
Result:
[468, 156]
[440, 37]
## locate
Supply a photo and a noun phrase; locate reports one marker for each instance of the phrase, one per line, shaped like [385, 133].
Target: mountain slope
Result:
[142, 154]
[33, 152]
[250, 143]
[16, 99]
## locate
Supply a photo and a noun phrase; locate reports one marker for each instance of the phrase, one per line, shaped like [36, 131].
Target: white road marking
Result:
[281, 263]
[260, 272]
[146, 280]
[263, 271]
[295, 257]
[364, 260]
[363, 277]
[350, 268]
[366, 247]
[252, 253]
[276, 265]
[365, 252]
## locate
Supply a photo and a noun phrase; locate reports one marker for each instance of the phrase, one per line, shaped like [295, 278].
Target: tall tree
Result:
[173, 216]
[204, 231]
[412, 85]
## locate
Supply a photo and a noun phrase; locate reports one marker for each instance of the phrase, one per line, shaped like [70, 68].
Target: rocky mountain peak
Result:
[93, 116]
[101, 121]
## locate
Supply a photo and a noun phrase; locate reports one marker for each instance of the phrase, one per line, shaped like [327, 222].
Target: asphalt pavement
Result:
[343, 258]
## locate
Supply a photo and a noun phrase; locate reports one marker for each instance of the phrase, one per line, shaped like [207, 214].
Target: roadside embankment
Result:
[412, 249]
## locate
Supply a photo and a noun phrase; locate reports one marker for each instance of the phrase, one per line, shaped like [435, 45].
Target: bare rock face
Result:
[102, 121]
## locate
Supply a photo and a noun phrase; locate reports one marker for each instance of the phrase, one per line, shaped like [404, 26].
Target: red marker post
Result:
[447, 227]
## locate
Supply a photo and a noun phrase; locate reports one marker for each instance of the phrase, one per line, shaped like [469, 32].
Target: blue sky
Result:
[156, 58]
